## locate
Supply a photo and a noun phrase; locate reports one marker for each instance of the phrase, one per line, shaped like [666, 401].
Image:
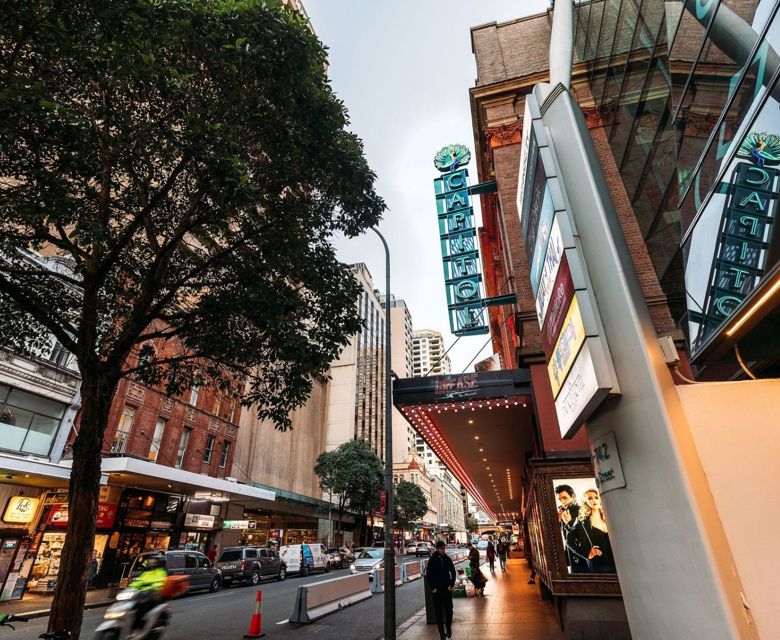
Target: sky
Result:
[403, 69]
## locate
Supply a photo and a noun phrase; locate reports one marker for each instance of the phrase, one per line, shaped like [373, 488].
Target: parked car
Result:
[336, 558]
[200, 571]
[305, 558]
[423, 549]
[250, 564]
[411, 547]
[368, 560]
[349, 555]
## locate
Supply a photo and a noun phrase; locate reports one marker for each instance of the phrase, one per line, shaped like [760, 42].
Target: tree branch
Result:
[42, 314]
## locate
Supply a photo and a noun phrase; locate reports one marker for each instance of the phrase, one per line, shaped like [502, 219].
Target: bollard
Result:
[256, 623]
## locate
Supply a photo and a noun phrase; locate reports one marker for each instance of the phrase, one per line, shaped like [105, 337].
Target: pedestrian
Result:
[501, 550]
[491, 555]
[441, 576]
[212, 554]
[477, 579]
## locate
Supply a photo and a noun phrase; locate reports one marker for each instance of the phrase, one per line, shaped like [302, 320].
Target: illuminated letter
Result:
[462, 264]
[761, 172]
[458, 221]
[722, 304]
[755, 199]
[451, 181]
[466, 290]
[750, 221]
[739, 275]
[456, 201]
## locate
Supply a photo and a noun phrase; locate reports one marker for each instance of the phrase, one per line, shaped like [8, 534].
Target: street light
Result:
[389, 554]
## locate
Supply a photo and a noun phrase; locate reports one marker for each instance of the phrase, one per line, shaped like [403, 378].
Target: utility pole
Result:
[389, 553]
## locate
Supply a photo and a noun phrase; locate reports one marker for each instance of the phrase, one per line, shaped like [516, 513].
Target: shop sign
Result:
[21, 510]
[552, 261]
[580, 377]
[584, 388]
[742, 247]
[606, 462]
[106, 514]
[275, 534]
[197, 521]
[160, 524]
[235, 524]
[57, 496]
[458, 239]
[542, 236]
[567, 347]
[560, 300]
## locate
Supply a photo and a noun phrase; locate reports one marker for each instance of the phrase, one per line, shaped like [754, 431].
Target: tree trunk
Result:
[97, 391]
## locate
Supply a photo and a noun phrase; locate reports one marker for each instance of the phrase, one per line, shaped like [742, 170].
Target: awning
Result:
[157, 477]
[41, 473]
[481, 426]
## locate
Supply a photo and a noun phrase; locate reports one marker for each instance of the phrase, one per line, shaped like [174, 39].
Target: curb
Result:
[41, 613]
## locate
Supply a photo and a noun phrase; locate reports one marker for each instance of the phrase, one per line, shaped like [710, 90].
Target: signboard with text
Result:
[579, 366]
[459, 246]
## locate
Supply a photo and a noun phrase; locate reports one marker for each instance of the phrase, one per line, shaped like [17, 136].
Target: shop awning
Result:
[156, 477]
[480, 425]
[36, 473]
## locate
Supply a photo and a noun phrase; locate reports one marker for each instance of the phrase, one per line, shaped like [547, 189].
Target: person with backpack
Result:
[501, 549]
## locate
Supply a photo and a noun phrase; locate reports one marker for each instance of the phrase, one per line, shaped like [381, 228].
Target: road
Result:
[226, 614]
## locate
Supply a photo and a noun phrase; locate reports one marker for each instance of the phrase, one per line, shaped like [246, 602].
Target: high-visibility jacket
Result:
[150, 580]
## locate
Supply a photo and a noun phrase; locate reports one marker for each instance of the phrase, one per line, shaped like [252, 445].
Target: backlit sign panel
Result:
[579, 367]
[21, 510]
[567, 347]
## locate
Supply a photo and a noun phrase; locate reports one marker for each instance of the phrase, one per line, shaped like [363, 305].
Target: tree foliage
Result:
[352, 473]
[471, 523]
[188, 164]
[410, 503]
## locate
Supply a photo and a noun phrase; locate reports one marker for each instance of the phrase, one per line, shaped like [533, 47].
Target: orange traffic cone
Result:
[256, 623]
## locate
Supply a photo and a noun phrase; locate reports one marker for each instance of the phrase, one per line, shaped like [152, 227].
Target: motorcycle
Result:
[120, 619]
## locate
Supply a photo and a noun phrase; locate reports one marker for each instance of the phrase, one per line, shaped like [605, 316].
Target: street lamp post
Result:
[389, 554]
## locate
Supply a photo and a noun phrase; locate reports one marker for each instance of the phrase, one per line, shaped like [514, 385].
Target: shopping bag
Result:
[471, 591]
[468, 571]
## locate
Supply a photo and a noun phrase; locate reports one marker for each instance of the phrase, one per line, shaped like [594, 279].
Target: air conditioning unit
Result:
[231, 479]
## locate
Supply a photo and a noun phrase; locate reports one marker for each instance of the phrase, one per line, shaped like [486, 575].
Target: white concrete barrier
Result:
[411, 571]
[318, 599]
[378, 580]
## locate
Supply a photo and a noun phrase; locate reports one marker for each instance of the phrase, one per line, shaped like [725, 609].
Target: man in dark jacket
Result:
[441, 579]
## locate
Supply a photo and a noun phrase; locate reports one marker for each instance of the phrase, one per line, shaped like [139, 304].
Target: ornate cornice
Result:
[504, 134]
[599, 116]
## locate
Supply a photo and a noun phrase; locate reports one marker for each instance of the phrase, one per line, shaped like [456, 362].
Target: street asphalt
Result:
[226, 614]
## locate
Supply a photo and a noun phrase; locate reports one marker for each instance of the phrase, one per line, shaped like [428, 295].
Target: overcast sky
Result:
[403, 69]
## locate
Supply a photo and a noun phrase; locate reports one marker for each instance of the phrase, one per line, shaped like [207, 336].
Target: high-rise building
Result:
[401, 364]
[429, 354]
[356, 402]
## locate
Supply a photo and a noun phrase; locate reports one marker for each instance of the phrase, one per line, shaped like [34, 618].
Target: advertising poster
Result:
[583, 526]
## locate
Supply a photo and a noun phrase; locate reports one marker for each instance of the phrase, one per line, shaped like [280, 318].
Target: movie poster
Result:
[583, 526]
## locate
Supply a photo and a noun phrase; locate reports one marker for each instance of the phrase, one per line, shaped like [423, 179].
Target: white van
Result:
[303, 558]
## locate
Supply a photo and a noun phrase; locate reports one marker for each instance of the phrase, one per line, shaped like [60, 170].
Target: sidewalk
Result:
[34, 605]
[511, 608]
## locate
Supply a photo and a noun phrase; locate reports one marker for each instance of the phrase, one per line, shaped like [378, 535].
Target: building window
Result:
[123, 430]
[159, 430]
[28, 423]
[209, 448]
[59, 355]
[194, 393]
[225, 451]
[185, 439]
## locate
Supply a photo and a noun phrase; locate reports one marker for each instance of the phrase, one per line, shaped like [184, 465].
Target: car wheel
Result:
[282, 574]
[255, 578]
[327, 566]
[215, 585]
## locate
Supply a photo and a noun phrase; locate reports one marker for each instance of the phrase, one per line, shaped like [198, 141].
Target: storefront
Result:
[46, 546]
[262, 529]
[21, 507]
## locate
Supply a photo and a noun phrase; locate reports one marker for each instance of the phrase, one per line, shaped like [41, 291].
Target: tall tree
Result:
[410, 503]
[352, 472]
[188, 162]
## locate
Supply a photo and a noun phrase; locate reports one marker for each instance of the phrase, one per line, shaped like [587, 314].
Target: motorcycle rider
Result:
[149, 586]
